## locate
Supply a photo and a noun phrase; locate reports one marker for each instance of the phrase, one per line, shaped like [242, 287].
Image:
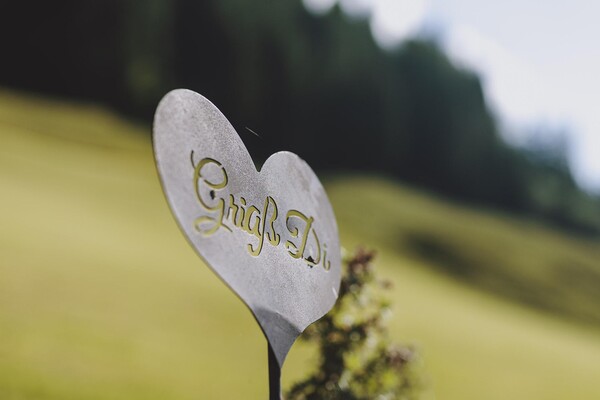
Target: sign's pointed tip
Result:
[280, 333]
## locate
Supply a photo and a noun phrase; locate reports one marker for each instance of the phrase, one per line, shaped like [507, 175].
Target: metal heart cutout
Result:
[270, 235]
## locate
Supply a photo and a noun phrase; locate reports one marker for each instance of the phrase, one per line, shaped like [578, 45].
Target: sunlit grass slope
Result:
[102, 298]
[518, 259]
[479, 341]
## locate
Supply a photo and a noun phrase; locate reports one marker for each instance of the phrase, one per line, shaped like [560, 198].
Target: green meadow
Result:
[102, 298]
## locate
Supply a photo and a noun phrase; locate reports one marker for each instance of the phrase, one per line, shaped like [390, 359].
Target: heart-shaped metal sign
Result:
[270, 235]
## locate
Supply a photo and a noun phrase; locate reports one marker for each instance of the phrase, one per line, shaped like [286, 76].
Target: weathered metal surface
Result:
[270, 235]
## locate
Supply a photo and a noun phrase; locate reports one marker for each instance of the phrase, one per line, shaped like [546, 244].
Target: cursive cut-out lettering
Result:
[255, 221]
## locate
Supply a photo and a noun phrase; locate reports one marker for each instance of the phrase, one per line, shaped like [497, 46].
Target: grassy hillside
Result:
[517, 259]
[102, 298]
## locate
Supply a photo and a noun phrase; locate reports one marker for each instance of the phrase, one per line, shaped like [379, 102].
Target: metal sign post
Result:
[270, 235]
[274, 376]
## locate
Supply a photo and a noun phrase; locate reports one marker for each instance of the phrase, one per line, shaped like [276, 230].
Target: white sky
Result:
[539, 60]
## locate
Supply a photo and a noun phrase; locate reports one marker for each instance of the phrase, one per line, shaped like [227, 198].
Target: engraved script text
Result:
[231, 213]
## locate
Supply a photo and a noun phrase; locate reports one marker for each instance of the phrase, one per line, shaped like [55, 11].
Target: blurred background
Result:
[458, 139]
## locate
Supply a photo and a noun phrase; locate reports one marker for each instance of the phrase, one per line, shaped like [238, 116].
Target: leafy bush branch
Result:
[357, 360]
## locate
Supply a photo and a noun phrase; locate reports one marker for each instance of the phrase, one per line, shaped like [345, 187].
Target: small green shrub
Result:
[356, 357]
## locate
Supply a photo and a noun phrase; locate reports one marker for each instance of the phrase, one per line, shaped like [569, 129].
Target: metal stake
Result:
[274, 376]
